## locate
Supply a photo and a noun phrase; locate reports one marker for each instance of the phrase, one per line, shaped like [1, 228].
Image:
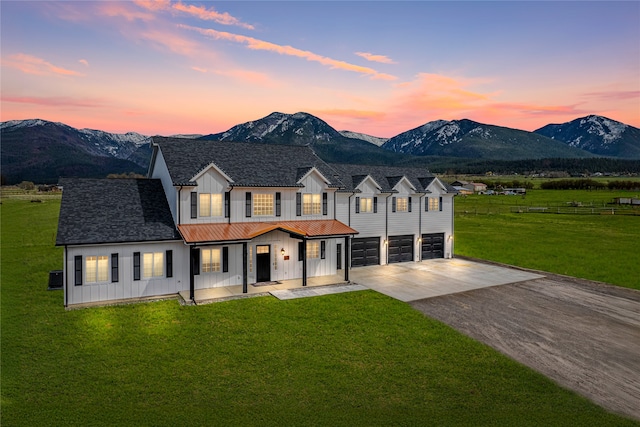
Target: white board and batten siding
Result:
[126, 287]
[161, 172]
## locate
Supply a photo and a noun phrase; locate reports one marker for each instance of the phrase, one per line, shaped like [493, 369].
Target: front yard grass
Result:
[352, 359]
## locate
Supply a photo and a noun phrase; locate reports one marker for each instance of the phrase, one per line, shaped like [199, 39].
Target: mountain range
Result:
[42, 151]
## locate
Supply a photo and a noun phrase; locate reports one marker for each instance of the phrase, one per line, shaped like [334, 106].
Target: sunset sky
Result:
[377, 67]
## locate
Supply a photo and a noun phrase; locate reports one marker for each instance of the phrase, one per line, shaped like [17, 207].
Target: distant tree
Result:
[27, 185]
[124, 175]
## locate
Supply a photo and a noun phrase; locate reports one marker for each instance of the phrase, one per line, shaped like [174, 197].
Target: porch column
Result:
[347, 258]
[192, 272]
[304, 262]
[244, 268]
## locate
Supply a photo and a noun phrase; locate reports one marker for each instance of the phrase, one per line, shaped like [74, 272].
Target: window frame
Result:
[365, 205]
[101, 272]
[157, 270]
[311, 204]
[402, 204]
[434, 204]
[209, 263]
[264, 207]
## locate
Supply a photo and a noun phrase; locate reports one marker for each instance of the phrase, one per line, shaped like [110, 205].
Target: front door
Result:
[263, 263]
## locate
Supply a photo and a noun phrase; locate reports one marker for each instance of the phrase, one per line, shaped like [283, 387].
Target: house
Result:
[214, 214]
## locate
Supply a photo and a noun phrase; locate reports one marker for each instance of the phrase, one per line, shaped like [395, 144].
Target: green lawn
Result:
[349, 359]
[596, 247]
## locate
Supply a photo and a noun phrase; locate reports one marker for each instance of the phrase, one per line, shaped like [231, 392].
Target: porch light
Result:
[385, 242]
[282, 251]
[419, 239]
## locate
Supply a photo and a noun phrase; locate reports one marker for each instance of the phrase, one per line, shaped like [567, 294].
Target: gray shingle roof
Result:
[114, 211]
[247, 164]
[386, 176]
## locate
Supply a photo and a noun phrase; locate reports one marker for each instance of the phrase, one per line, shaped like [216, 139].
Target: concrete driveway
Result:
[411, 281]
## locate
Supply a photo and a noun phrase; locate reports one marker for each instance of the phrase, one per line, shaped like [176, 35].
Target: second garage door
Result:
[401, 248]
[365, 251]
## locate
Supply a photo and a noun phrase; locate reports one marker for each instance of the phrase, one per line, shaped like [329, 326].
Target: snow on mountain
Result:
[597, 134]
[364, 137]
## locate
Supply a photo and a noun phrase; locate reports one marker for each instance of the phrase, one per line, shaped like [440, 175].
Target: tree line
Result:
[588, 184]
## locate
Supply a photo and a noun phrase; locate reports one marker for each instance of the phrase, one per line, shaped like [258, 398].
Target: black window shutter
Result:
[426, 204]
[323, 248]
[225, 259]
[169, 263]
[375, 205]
[298, 204]
[227, 204]
[300, 250]
[409, 204]
[325, 203]
[278, 204]
[247, 212]
[114, 268]
[440, 204]
[195, 259]
[357, 204]
[194, 204]
[78, 270]
[136, 265]
[393, 204]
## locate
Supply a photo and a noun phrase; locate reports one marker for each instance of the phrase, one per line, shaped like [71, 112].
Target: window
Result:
[366, 204]
[402, 204]
[311, 204]
[152, 264]
[210, 260]
[434, 204]
[96, 269]
[313, 250]
[263, 204]
[210, 204]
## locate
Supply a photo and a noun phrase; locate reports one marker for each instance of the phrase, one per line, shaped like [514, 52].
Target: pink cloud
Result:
[375, 58]
[122, 9]
[174, 42]
[211, 15]
[256, 44]
[29, 64]
[614, 95]
[245, 76]
[54, 101]
[200, 12]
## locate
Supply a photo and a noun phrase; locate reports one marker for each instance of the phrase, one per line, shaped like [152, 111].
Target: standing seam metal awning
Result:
[244, 231]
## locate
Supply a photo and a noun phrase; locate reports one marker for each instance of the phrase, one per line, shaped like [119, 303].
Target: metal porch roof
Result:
[240, 231]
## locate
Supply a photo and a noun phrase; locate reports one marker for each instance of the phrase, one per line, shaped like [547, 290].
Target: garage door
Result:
[365, 251]
[432, 246]
[401, 248]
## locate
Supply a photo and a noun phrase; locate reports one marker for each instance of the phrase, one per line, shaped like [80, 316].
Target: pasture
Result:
[601, 247]
[350, 359]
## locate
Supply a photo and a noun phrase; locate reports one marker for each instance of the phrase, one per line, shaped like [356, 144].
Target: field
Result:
[350, 359]
[600, 247]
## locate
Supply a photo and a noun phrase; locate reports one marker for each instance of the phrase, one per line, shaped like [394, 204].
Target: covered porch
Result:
[224, 293]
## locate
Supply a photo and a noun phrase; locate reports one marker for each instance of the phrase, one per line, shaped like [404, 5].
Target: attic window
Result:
[311, 204]
[210, 204]
[402, 204]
